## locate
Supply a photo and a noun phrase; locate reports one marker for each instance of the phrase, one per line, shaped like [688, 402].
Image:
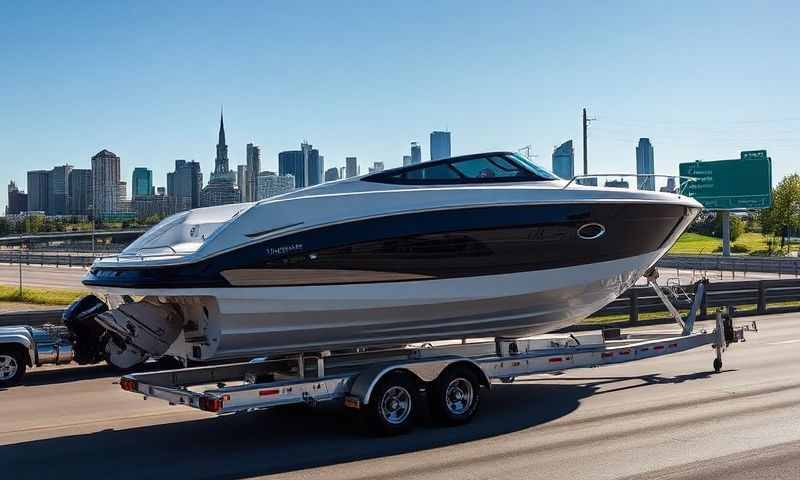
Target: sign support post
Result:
[726, 232]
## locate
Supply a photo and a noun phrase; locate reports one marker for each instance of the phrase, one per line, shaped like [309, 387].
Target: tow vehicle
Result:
[388, 386]
[24, 346]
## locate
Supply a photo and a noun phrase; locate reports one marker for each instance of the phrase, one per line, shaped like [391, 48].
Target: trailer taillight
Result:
[210, 404]
[128, 384]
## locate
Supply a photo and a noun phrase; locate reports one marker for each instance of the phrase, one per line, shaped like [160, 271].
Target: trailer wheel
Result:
[392, 406]
[12, 367]
[717, 365]
[455, 396]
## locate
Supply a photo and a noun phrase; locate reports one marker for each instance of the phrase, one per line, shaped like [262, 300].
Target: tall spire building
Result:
[221, 188]
[221, 162]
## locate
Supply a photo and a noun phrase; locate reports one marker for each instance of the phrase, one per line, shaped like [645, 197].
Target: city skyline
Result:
[157, 93]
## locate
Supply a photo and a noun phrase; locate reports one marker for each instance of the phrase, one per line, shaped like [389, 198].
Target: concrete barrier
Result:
[34, 318]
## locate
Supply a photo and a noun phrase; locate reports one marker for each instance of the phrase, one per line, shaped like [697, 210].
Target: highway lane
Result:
[665, 418]
[43, 276]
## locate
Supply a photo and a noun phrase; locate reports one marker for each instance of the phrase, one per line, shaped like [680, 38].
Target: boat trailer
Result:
[387, 385]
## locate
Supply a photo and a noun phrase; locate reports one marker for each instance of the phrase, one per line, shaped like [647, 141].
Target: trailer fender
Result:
[423, 370]
[21, 339]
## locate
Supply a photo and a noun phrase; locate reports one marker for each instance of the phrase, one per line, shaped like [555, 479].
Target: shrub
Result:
[737, 227]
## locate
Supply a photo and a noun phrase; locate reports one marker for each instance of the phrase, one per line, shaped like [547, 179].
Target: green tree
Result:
[34, 224]
[785, 209]
[737, 227]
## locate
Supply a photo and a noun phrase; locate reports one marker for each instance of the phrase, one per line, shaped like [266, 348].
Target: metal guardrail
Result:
[57, 259]
[789, 266]
[762, 294]
[757, 293]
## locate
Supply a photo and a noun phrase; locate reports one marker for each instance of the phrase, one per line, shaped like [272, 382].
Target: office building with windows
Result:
[645, 165]
[270, 185]
[564, 160]
[440, 145]
[142, 182]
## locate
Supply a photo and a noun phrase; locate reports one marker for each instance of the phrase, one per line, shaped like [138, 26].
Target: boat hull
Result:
[248, 322]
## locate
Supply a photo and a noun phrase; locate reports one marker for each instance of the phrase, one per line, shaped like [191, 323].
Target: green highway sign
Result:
[742, 183]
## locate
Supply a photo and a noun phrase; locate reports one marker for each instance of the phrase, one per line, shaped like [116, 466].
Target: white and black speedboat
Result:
[478, 245]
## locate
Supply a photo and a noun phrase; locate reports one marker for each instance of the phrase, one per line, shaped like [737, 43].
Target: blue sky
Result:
[146, 80]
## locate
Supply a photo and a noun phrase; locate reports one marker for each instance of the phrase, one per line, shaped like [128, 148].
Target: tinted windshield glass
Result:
[488, 167]
[535, 168]
[500, 167]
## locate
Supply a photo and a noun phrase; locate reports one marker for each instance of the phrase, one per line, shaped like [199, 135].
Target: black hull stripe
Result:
[431, 245]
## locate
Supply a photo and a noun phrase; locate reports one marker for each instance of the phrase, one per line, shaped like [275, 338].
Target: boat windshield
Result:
[482, 168]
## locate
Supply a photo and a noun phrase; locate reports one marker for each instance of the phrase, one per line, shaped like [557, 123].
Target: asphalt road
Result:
[44, 276]
[662, 418]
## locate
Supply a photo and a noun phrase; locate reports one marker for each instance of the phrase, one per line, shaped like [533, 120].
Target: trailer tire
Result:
[717, 365]
[12, 366]
[393, 405]
[455, 396]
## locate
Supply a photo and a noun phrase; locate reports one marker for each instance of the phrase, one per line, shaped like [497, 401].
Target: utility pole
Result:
[585, 153]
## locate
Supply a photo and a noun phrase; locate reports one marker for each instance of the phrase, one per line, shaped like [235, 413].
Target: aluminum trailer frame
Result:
[384, 384]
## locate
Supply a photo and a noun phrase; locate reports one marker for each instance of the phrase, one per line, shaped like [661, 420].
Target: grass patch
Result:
[694, 243]
[39, 296]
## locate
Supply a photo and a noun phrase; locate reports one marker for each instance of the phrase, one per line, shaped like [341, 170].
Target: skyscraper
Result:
[314, 164]
[80, 191]
[406, 160]
[251, 172]
[645, 164]
[141, 182]
[331, 174]
[564, 160]
[291, 162]
[186, 182]
[242, 180]
[270, 185]
[57, 190]
[17, 200]
[376, 167]
[221, 188]
[351, 165]
[440, 145]
[305, 165]
[108, 192]
[38, 190]
[416, 153]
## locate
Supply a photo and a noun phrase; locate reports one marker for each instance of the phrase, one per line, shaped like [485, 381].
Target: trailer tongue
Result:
[386, 385]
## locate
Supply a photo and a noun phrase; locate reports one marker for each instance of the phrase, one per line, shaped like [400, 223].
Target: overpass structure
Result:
[64, 238]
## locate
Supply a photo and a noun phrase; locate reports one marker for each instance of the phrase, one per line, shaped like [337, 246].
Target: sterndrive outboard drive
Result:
[125, 336]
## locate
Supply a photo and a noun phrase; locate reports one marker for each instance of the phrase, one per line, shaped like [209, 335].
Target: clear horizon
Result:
[146, 81]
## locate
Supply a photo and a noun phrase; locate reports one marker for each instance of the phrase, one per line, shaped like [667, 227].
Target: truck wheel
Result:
[12, 367]
[455, 396]
[392, 405]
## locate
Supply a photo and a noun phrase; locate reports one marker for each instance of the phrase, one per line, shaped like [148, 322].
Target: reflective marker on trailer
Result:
[554, 359]
[128, 384]
[210, 404]
[269, 391]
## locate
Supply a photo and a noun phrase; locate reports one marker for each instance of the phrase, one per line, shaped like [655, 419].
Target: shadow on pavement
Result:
[290, 439]
[74, 373]
[274, 441]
